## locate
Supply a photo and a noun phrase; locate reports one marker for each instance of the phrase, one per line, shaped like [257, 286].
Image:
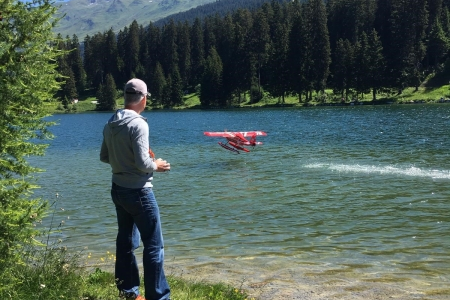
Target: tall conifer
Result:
[110, 55]
[405, 49]
[259, 43]
[76, 64]
[277, 69]
[242, 63]
[176, 87]
[377, 63]
[319, 55]
[28, 77]
[342, 78]
[438, 45]
[297, 52]
[225, 50]
[158, 85]
[184, 52]
[107, 95]
[197, 52]
[211, 86]
[169, 50]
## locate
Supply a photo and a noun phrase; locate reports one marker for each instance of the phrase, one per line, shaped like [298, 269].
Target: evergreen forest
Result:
[334, 51]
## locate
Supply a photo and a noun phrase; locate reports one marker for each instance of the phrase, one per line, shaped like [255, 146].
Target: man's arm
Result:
[104, 154]
[140, 145]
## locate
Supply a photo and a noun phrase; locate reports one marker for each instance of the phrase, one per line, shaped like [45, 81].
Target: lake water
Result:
[338, 203]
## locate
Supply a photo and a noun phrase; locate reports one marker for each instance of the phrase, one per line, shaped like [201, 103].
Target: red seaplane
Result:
[237, 140]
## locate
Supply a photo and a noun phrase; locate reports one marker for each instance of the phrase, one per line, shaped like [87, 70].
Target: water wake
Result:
[382, 170]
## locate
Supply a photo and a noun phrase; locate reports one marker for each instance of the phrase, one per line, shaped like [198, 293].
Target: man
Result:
[125, 147]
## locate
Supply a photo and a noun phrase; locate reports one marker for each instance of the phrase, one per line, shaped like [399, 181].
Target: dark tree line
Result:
[282, 48]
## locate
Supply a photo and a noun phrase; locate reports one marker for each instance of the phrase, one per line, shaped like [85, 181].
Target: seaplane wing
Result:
[232, 134]
[237, 140]
[219, 134]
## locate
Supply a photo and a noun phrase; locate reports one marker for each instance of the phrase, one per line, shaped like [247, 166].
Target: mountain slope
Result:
[87, 17]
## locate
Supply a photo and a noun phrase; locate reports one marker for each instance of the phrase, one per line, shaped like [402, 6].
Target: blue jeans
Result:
[138, 218]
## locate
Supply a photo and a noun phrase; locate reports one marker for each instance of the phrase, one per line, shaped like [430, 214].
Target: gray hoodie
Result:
[125, 147]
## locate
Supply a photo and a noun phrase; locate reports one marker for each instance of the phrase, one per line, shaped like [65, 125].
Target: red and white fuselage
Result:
[238, 139]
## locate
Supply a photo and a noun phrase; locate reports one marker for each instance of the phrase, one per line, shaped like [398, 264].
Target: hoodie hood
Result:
[121, 118]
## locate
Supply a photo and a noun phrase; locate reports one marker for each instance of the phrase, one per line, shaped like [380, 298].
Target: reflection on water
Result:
[333, 194]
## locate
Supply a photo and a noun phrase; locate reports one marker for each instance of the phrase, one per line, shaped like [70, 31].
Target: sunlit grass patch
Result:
[57, 274]
[190, 290]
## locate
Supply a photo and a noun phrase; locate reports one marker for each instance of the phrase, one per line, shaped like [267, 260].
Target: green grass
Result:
[100, 285]
[424, 93]
[84, 105]
[408, 95]
[52, 272]
[62, 277]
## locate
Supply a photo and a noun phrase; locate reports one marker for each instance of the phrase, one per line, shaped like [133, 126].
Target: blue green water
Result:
[349, 193]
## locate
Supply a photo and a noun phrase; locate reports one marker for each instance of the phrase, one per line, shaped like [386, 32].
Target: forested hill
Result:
[220, 8]
[302, 49]
[88, 17]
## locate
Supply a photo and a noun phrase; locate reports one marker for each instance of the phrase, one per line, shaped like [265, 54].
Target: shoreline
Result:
[275, 279]
[300, 283]
[79, 108]
[293, 282]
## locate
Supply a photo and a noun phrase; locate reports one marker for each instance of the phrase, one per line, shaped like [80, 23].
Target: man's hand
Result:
[162, 165]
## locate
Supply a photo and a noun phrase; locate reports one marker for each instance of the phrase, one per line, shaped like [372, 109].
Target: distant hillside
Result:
[87, 17]
[217, 7]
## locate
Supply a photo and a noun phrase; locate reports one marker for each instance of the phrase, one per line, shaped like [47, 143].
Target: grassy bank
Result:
[409, 95]
[55, 273]
[100, 286]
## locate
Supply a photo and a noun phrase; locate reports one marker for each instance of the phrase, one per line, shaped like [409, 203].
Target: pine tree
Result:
[438, 45]
[277, 69]
[444, 20]
[152, 41]
[169, 54]
[259, 39]
[225, 50]
[121, 52]
[376, 63]
[208, 34]
[76, 64]
[405, 48]
[167, 92]
[241, 65]
[297, 52]
[319, 54]
[28, 77]
[68, 88]
[107, 95]
[158, 85]
[348, 19]
[110, 55]
[129, 44]
[197, 52]
[361, 65]
[176, 88]
[211, 86]
[342, 78]
[184, 53]
[434, 8]
[93, 60]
